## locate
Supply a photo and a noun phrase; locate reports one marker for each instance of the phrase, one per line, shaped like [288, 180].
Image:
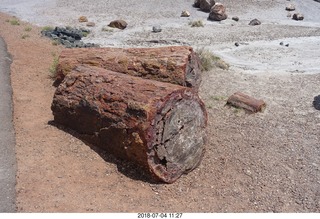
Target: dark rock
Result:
[156, 29]
[316, 102]
[196, 3]
[120, 24]
[254, 22]
[236, 44]
[235, 18]
[297, 17]
[287, 45]
[206, 5]
[69, 37]
[218, 12]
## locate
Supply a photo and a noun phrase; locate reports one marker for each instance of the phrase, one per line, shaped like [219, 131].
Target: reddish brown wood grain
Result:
[160, 126]
[246, 102]
[176, 64]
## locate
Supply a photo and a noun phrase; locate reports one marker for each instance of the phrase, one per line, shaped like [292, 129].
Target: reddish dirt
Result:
[264, 162]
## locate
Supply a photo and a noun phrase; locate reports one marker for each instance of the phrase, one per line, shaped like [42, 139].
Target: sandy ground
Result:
[265, 162]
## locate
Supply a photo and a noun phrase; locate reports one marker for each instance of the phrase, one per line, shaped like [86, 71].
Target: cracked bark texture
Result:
[160, 126]
[175, 64]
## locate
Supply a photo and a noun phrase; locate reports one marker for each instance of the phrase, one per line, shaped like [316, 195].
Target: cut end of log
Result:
[246, 102]
[159, 126]
[179, 139]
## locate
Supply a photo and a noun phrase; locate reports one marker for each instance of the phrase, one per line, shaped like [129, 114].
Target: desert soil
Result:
[263, 162]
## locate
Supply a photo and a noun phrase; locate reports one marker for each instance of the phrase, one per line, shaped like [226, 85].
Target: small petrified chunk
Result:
[246, 102]
[120, 24]
[175, 64]
[159, 126]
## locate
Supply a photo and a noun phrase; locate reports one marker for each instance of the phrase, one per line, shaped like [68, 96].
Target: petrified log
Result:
[176, 64]
[160, 126]
[246, 102]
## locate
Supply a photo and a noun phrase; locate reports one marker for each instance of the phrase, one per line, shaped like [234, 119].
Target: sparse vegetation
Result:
[55, 42]
[14, 22]
[47, 28]
[197, 23]
[208, 60]
[107, 29]
[219, 98]
[27, 29]
[53, 67]
[25, 36]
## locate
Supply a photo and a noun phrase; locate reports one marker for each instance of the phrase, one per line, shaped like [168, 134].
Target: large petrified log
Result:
[160, 126]
[175, 64]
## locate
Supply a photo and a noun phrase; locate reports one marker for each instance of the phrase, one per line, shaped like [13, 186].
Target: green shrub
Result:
[197, 23]
[208, 60]
[27, 29]
[14, 22]
[25, 36]
[53, 67]
[47, 28]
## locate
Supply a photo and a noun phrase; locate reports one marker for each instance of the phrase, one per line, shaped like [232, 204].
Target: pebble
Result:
[156, 29]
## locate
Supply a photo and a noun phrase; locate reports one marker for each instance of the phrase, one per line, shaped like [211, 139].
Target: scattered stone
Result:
[281, 43]
[236, 44]
[254, 22]
[291, 7]
[156, 29]
[287, 45]
[235, 18]
[250, 104]
[91, 24]
[218, 12]
[316, 102]
[69, 37]
[206, 5]
[120, 24]
[297, 17]
[185, 14]
[83, 19]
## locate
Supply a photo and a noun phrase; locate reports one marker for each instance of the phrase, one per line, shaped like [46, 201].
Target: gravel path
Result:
[7, 151]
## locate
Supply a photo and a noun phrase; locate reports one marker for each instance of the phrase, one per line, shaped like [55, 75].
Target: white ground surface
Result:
[259, 49]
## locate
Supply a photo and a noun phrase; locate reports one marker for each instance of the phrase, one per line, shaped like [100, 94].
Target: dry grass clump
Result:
[197, 23]
[53, 67]
[209, 61]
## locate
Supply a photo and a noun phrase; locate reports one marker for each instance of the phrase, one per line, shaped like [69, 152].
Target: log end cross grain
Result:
[159, 126]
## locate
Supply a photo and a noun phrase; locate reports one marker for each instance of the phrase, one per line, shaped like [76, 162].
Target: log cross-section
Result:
[160, 126]
[175, 64]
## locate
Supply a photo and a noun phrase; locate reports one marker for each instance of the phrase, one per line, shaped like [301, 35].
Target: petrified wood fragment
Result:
[160, 126]
[246, 102]
[176, 64]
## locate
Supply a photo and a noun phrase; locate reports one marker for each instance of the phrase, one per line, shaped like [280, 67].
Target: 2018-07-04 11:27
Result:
[159, 215]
